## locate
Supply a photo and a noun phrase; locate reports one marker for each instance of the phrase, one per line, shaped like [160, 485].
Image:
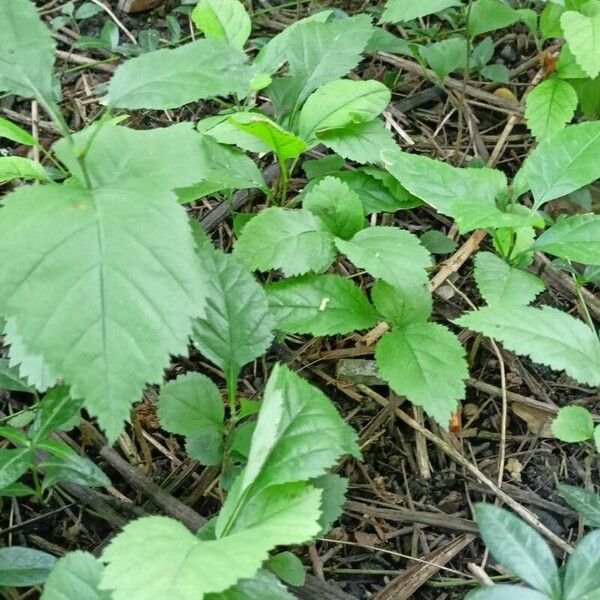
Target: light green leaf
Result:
[399, 306]
[294, 241]
[499, 283]
[388, 253]
[340, 103]
[471, 214]
[334, 490]
[223, 19]
[573, 424]
[288, 567]
[547, 335]
[13, 464]
[505, 591]
[338, 207]
[11, 380]
[446, 56]
[75, 575]
[400, 11]
[273, 54]
[285, 447]
[518, 548]
[585, 502]
[169, 78]
[321, 52]
[55, 410]
[221, 127]
[564, 163]
[157, 557]
[284, 143]
[319, 305]
[101, 323]
[438, 183]
[264, 586]
[27, 51]
[14, 133]
[426, 363]
[24, 567]
[362, 142]
[14, 436]
[190, 404]
[583, 36]
[64, 464]
[566, 65]
[491, 15]
[549, 106]
[237, 326]
[573, 238]
[17, 167]
[582, 575]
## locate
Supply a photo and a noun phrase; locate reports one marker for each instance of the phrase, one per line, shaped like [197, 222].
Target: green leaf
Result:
[585, 502]
[223, 19]
[190, 405]
[222, 128]
[338, 207]
[426, 363]
[55, 410]
[157, 557]
[101, 323]
[14, 436]
[550, 21]
[11, 380]
[237, 326]
[471, 213]
[573, 424]
[288, 568]
[566, 64]
[321, 167]
[319, 305]
[490, 15]
[14, 133]
[16, 490]
[13, 464]
[24, 567]
[75, 575]
[263, 586]
[17, 167]
[362, 142]
[582, 575]
[318, 53]
[518, 548]
[27, 51]
[446, 56]
[505, 591]
[573, 238]
[438, 183]
[388, 253]
[284, 143]
[400, 11]
[549, 107]
[499, 283]
[64, 464]
[399, 306]
[547, 335]
[437, 242]
[294, 241]
[583, 36]
[340, 103]
[169, 78]
[334, 490]
[285, 447]
[564, 163]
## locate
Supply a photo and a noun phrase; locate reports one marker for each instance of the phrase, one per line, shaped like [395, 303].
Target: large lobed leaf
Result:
[547, 335]
[104, 282]
[26, 51]
[169, 78]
